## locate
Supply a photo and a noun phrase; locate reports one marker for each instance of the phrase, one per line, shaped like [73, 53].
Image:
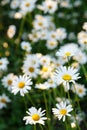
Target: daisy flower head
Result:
[21, 84]
[66, 75]
[8, 80]
[35, 116]
[11, 31]
[3, 64]
[66, 50]
[27, 6]
[4, 100]
[79, 89]
[42, 86]
[62, 110]
[26, 46]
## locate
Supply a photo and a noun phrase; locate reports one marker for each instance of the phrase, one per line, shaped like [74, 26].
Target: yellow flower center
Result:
[52, 43]
[85, 42]
[63, 111]
[25, 47]
[53, 36]
[9, 82]
[27, 4]
[50, 6]
[51, 82]
[35, 117]
[3, 100]
[80, 90]
[40, 23]
[68, 54]
[31, 69]
[0, 63]
[21, 85]
[67, 77]
[44, 69]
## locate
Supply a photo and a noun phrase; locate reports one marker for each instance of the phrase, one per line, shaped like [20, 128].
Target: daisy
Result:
[85, 26]
[42, 86]
[4, 100]
[66, 50]
[3, 63]
[8, 80]
[11, 31]
[46, 71]
[35, 116]
[31, 69]
[49, 6]
[51, 44]
[66, 75]
[61, 34]
[21, 84]
[62, 110]
[79, 89]
[26, 46]
[27, 6]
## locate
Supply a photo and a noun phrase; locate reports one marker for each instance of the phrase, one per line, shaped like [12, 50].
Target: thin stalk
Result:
[45, 100]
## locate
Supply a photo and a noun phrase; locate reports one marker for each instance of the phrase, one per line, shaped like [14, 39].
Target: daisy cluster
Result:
[43, 64]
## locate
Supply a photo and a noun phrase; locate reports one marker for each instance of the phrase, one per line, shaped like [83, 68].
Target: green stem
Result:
[20, 30]
[41, 127]
[34, 127]
[45, 100]
[84, 70]
[28, 96]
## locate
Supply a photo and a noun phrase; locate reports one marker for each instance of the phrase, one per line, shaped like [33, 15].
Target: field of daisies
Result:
[43, 64]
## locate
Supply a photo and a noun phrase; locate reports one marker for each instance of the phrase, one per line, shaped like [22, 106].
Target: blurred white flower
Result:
[11, 31]
[26, 46]
[4, 100]
[3, 64]
[79, 89]
[8, 80]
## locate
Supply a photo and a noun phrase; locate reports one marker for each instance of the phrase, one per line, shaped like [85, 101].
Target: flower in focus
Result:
[21, 84]
[4, 100]
[35, 116]
[66, 75]
[62, 110]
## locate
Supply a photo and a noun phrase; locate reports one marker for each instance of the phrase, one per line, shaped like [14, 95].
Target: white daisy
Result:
[35, 116]
[27, 6]
[79, 89]
[61, 34]
[8, 80]
[3, 64]
[49, 6]
[51, 44]
[4, 100]
[62, 110]
[66, 50]
[42, 86]
[26, 46]
[31, 70]
[21, 84]
[11, 31]
[66, 75]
